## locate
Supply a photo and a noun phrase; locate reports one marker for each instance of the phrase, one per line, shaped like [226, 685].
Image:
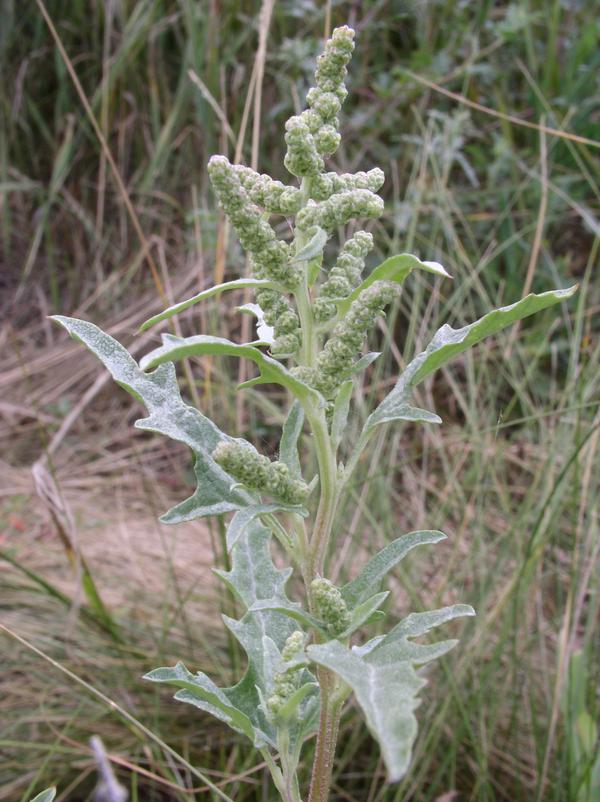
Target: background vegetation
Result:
[108, 112]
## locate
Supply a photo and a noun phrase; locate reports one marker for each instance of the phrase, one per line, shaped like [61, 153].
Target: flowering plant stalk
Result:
[305, 658]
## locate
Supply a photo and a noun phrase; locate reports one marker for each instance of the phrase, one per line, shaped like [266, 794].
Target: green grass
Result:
[512, 476]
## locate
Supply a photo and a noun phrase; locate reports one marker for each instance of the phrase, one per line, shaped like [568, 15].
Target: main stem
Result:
[321, 534]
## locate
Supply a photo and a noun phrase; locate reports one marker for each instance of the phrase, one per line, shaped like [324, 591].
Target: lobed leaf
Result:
[448, 343]
[200, 690]
[253, 578]
[386, 684]
[238, 284]
[168, 415]
[361, 588]
[253, 575]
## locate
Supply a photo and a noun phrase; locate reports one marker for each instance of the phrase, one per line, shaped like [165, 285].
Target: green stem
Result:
[329, 493]
[289, 765]
[323, 526]
[326, 738]
[276, 775]
[309, 346]
[321, 534]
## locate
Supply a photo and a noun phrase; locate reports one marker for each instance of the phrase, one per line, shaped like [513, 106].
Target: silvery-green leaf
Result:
[402, 411]
[264, 332]
[363, 613]
[253, 575]
[288, 447]
[387, 696]
[264, 659]
[386, 685]
[45, 796]
[341, 408]
[242, 518]
[238, 284]
[448, 343]
[271, 371]
[200, 690]
[364, 362]
[292, 610]
[290, 709]
[396, 268]
[253, 578]
[313, 270]
[169, 415]
[314, 247]
[415, 625]
[262, 632]
[361, 588]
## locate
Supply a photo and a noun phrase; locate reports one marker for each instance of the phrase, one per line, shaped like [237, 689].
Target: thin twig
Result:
[107, 152]
[582, 140]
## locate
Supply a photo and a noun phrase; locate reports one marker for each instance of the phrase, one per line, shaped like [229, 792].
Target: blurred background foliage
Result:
[106, 212]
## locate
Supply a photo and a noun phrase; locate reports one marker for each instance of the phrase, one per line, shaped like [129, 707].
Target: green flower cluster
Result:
[339, 209]
[273, 196]
[278, 312]
[345, 275]
[334, 363]
[329, 605]
[270, 256]
[257, 472]
[314, 134]
[286, 680]
[326, 200]
[327, 184]
[302, 158]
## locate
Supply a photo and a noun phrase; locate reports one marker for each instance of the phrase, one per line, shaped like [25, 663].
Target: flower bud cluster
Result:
[273, 196]
[327, 184]
[331, 64]
[270, 256]
[278, 313]
[302, 157]
[314, 134]
[286, 681]
[258, 472]
[334, 363]
[329, 605]
[339, 209]
[345, 275]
